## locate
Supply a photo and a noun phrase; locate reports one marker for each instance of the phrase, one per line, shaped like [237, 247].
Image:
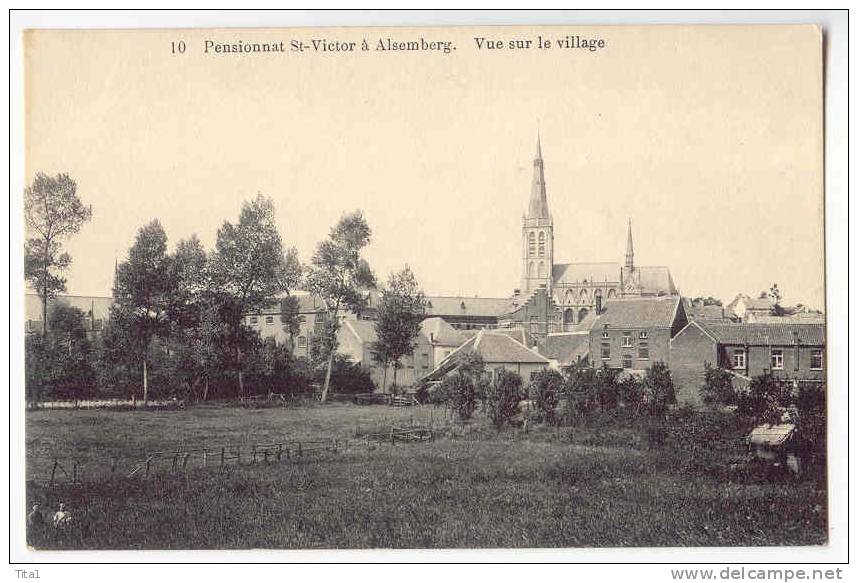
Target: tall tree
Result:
[143, 291]
[249, 268]
[340, 276]
[400, 311]
[53, 212]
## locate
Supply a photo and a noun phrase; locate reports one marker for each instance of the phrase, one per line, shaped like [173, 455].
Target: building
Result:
[575, 287]
[442, 337]
[498, 351]
[786, 350]
[699, 310]
[567, 349]
[633, 333]
[271, 322]
[96, 311]
[356, 340]
[467, 313]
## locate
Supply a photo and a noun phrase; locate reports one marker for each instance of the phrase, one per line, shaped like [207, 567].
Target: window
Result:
[534, 325]
[627, 339]
[98, 324]
[541, 244]
[302, 342]
[531, 244]
[777, 359]
[739, 358]
[643, 351]
[32, 325]
[605, 334]
[643, 335]
[606, 351]
[816, 360]
[254, 319]
[269, 319]
[627, 361]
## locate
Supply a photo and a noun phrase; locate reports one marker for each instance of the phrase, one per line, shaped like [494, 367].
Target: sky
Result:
[708, 138]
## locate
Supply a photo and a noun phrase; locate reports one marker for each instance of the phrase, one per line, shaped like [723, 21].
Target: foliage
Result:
[459, 392]
[764, 400]
[339, 275]
[717, 386]
[544, 390]
[347, 377]
[53, 212]
[659, 390]
[502, 397]
[143, 290]
[60, 364]
[400, 312]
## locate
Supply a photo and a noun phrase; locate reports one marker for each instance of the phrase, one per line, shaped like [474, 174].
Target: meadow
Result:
[606, 484]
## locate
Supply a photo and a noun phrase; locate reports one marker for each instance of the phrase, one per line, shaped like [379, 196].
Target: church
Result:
[576, 289]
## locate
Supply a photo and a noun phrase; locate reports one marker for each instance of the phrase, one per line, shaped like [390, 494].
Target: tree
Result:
[53, 212]
[400, 312]
[545, 389]
[503, 397]
[143, 292]
[717, 386]
[659, 389]
[339, 275]
[249, 268]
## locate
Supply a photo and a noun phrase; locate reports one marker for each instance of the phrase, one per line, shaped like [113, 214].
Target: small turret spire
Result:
[630, 251]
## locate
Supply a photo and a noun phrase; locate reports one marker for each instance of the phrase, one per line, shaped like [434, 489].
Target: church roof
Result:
[591, 272]
[538, 207]
[655, 280]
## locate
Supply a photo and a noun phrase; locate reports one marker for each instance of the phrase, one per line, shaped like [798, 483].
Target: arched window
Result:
[585, 299]
[568, 315]
[531, 244]
[570, 297]
[582, 313]
[612, 293]
[530, 269]
[541, 269]
[542, 243]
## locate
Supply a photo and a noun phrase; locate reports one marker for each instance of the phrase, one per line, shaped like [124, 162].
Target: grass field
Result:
[472, 487]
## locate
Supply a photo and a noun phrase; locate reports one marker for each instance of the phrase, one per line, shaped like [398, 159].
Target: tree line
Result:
[179, 318]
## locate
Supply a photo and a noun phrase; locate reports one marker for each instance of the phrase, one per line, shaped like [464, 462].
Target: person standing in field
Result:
[62, 517]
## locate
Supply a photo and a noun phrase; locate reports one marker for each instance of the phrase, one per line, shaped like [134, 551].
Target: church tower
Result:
[537, 233]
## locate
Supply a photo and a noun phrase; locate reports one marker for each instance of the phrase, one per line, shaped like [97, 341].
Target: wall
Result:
[689, 350]
[523, 369]
[658, 340]
[759, 361]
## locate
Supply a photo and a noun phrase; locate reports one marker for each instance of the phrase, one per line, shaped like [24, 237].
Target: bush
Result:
[458, 392]
[347, 377]
[717, 386]
[659, 389]
[502, 397]
[764, 400]
[544, 390]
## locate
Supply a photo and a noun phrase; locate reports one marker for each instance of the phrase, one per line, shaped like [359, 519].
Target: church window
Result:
[542, 243]
[568, 316]
[570, 297]
[531, 244]
[585, 299]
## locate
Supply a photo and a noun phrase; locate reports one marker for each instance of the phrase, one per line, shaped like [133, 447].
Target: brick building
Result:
[633, 333]
[786, 350]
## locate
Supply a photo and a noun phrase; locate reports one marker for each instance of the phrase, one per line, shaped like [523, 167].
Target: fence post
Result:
[222, 452]
[185, 461]
[205, 456]
[300, 452]
[148, 461]
[253, 455]
[74, 472]
[279, 451]
[54, 471]
[392, 438]
[175, 462]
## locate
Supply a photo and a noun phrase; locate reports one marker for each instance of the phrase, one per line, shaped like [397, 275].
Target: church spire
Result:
[538, 207]
[630, 251]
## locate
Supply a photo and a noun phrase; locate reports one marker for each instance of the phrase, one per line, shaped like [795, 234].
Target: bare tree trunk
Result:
[206, 390]
[45, 312]
[327, 377]
[145, 381]
[394, 375]
[384, 379]
[240, 372]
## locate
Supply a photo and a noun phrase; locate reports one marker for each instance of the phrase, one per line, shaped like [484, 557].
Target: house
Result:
[699, 310]
[96, 311]
[271, 321]
[467, 313]
[786, 350]
[633, 333]
[743, 307]
[443, 338]
[356, 339]
[566, 349]
[498, 351]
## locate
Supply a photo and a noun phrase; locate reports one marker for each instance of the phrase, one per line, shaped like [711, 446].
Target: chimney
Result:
[516, 292]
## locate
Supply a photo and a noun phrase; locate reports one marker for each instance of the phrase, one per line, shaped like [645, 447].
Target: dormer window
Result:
[643, 335]
[462, 305]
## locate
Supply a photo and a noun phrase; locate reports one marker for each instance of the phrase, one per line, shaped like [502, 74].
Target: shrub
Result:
[458, 392]
[717, 386]
[347, 376]
[545, 389]
[659, 389]
[764, 400]
[502, 397]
